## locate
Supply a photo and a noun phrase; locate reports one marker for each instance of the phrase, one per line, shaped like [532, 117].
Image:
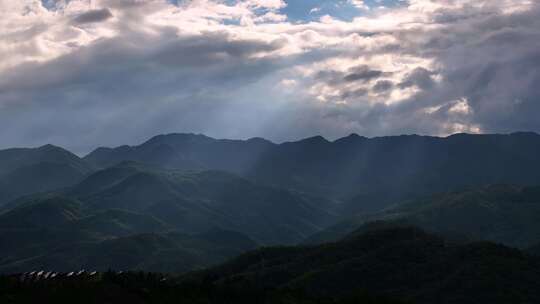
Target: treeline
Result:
[146, 287]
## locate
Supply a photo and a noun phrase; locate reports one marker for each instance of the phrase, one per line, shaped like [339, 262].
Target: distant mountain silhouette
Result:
[26, 171]
[186, 152]
[12, 159]
[372, 173]
[367, 173]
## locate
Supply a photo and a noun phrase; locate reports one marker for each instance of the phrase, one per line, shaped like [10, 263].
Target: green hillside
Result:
[499, 213]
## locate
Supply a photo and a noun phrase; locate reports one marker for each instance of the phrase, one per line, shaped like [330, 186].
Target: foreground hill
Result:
[400, 262]
[368, 173]
[373, 266]
[499, 213]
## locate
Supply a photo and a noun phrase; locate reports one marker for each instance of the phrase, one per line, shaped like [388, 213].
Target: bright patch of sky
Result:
[307, 10]
[49, 4]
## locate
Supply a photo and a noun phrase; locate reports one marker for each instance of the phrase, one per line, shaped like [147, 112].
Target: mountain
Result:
[397, 262]
[27, 171]
[42, 214]
[368, 174]
[193, 202]
[123, 199]
[499, 213]
[186, 152]
[11, 159]
[60, 234]
[41, 225]
[135, 216]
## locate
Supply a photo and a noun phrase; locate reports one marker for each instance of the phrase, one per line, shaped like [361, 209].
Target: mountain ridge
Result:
[367, 174]
[506, 214]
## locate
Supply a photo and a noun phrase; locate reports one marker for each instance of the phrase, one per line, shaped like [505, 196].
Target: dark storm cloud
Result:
[93, 16]
[419, 77]
[383, 86]
[354, 93]
[362, 73]
[210, 49]
[121, 59]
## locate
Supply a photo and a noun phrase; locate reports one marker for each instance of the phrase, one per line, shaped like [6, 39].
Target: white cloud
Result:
[461, 107]
[359, 4]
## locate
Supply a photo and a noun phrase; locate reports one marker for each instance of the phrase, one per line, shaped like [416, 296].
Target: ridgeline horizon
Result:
[259, 138]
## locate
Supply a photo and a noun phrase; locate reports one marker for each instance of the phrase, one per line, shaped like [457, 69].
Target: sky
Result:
[87, 73]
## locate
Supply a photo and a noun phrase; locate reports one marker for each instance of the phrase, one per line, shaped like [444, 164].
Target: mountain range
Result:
[130, 205]
[354, 168]
[180, 202]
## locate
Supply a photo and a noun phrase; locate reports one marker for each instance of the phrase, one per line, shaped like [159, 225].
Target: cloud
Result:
[362, 73]
[85, 73]
[383, 86]
[420, 77]
[92, 16]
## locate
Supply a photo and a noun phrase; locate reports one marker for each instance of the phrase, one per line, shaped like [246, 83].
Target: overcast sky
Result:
[88, 73]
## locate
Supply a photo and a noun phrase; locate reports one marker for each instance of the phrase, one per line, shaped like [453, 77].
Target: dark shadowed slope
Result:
[159, 252]
[60, 234]
[534, 250]
[375, 265]
[193, 202]
[143, 287]
[400, 262]
[113, 211]
[499, 213]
